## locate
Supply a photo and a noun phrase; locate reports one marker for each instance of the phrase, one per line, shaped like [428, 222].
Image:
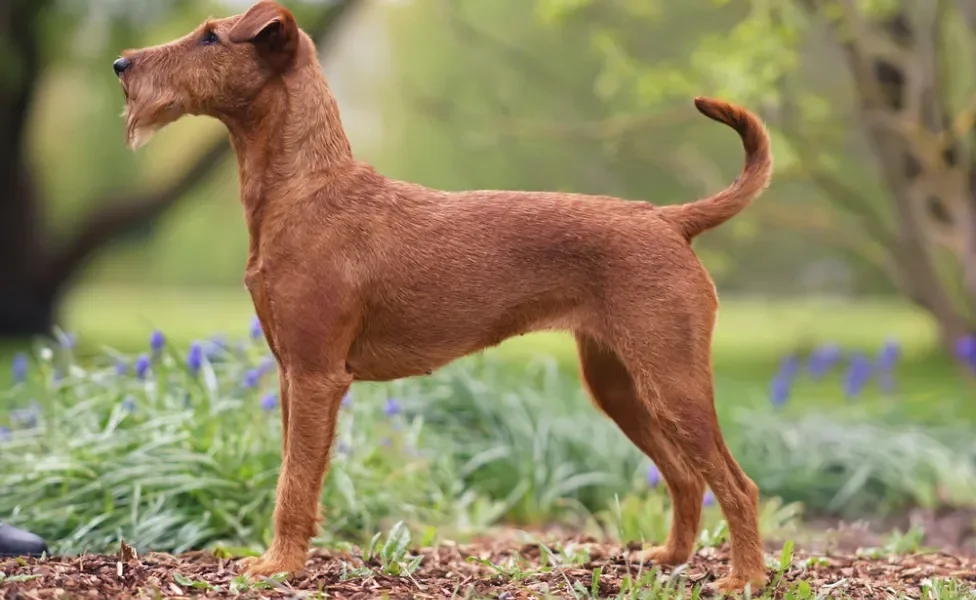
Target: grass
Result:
[93, 453]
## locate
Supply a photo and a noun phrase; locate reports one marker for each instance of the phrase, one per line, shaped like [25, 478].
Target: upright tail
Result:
[696, 217]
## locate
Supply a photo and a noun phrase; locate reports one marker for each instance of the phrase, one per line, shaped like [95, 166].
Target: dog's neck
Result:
[291, 130]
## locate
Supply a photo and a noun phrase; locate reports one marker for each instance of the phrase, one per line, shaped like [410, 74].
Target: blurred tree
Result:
[36, 37]
[871, 104]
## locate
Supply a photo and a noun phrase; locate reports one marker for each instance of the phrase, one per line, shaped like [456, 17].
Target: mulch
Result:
[448, 571]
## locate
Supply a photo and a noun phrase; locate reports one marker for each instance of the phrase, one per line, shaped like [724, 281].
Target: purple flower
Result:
[858, 374]
[709, 499]
[128, 404]
[392, 407]
[966, 351]
[156, 341]
[887, 358]
[194, 358]
[822, 360]
[252, 378]
[347, 400]
[269, 402]
[142, 366]
[343, 448]
[256, 332]
[789, 366]
[779, 390]
[19, 367]
[121, 368]
[653, 475]
[889, 355]
[4, 434]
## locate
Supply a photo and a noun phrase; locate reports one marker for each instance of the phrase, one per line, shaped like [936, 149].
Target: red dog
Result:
[356, 277]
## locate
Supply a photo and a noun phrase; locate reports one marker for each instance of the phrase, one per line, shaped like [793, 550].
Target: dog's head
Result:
[218, 69]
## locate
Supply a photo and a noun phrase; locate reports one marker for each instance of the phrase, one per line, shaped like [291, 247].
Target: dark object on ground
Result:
[17, 542]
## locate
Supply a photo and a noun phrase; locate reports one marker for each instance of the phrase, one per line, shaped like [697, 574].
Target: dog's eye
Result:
[209, 38]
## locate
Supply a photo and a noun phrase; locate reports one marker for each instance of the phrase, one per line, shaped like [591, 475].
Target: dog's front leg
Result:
[314, 406]
[283, 396]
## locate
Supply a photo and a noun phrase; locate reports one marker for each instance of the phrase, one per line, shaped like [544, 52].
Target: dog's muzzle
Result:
[120, 65]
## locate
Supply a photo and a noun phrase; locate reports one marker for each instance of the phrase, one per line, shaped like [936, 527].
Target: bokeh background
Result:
[845, 354]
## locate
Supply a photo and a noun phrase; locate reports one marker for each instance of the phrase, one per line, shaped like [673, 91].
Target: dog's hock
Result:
[272, 29]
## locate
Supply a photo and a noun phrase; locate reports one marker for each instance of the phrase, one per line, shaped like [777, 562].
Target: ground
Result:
[500, 568]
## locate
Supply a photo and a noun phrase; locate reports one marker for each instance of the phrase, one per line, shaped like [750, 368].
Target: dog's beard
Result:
[144, 119]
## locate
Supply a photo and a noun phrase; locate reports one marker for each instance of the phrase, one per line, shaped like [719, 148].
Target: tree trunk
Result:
[895, 65]
[23, 311]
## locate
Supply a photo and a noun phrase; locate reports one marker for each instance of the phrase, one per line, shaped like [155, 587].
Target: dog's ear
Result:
[272, 29]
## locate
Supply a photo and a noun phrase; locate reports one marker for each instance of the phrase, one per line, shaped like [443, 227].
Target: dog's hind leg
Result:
[613, 390]
[671, 371]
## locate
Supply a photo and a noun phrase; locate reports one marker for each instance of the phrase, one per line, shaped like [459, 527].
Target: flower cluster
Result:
[199, 354]
[821, 361]
[860, 369]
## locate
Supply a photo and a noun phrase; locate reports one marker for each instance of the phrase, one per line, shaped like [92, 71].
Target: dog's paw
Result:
[255, 567]
[735, 584]
[660, 555]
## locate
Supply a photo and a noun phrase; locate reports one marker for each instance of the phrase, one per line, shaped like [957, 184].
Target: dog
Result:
[358, 277]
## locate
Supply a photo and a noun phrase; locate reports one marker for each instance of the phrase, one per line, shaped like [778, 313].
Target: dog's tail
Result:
[696, 217]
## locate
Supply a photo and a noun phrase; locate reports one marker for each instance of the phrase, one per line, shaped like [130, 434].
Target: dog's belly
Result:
[419, 352]
[385, 360]
[387, 363]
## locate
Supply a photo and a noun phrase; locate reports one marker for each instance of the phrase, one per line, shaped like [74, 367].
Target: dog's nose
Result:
[120, 65]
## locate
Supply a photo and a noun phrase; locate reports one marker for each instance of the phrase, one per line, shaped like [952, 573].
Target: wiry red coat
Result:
[355, 276]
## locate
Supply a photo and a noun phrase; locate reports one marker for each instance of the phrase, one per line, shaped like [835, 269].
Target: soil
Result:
[951, 530]
[457, 571]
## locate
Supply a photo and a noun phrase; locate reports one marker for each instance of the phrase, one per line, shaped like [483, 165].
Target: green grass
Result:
[180, 461]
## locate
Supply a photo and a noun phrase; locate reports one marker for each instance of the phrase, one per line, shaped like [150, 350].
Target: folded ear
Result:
[272, 29]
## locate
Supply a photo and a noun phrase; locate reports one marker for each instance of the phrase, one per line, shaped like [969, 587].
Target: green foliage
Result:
[843, 464]
[185, 458]
[391, 555]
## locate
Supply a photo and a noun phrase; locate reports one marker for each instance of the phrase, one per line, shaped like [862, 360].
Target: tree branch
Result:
[119, 213]
[835, 191]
